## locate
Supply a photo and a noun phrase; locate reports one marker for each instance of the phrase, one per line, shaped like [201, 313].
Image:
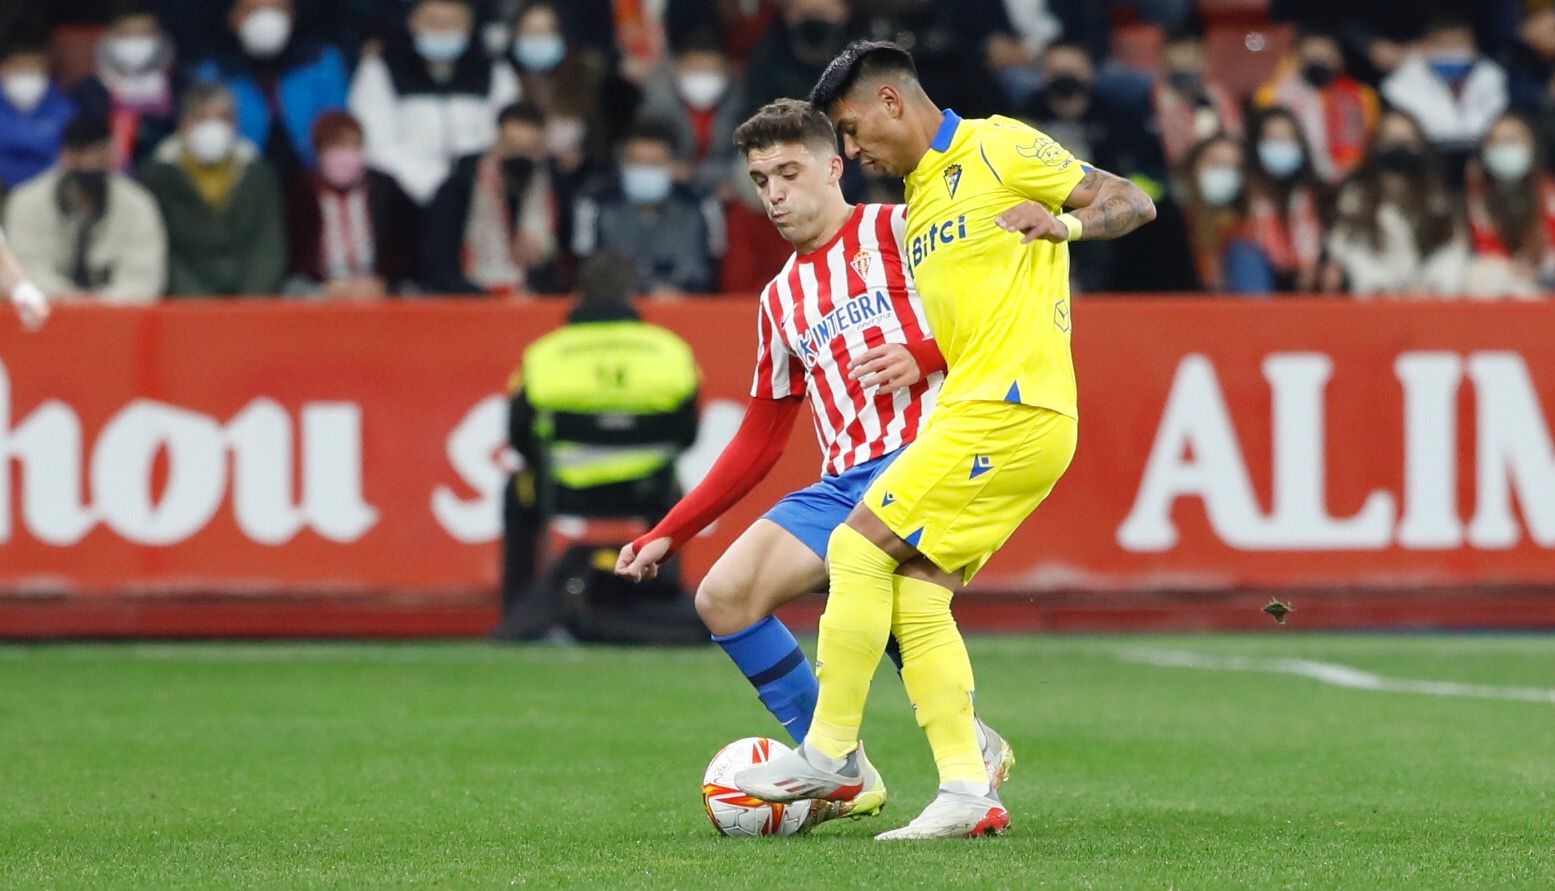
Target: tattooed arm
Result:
[1105, 206]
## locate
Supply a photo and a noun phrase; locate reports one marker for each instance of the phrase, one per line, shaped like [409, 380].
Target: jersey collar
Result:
[947, 131]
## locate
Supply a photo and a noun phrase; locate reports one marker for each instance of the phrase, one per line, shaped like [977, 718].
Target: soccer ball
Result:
[738, 815]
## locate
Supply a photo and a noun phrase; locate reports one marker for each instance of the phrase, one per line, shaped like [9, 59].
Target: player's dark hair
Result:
[860, 60]
[85, 131]
[782, 122]
[521, 113]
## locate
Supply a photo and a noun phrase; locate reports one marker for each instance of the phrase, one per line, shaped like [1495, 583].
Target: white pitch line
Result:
[1334, 674]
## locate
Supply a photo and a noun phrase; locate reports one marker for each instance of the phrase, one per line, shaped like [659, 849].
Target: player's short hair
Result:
[85, 131]
[860, 60]
[784, 122]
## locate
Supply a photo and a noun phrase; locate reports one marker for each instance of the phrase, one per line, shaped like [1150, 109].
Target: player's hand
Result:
[30, 304]
[890, 367]
[1033, 221]
[641, 566]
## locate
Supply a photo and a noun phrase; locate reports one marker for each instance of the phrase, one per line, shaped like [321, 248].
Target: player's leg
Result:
[766, 567]
[1002, 482]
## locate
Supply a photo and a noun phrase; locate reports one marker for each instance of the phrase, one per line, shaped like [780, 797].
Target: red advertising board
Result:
[249, 451]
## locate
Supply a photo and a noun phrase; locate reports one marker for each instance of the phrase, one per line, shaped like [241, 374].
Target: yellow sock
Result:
[854, 629]
[938, 675]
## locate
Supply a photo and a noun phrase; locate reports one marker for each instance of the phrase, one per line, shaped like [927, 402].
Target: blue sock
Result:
[771, 660]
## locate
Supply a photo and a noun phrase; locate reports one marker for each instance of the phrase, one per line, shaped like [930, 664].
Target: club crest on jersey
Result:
[860, 263]
[952, 178]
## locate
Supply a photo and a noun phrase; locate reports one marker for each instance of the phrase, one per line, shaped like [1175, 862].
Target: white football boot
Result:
[998, 757]
[954, 815]
[856, 786]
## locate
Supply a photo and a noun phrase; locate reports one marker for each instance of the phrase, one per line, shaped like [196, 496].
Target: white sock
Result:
[982, 735]
[821, 759]
[968, 787]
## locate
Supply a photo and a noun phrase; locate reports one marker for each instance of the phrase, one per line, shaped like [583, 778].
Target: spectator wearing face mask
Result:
[1453, 91]
[788, 59]
[426, 105]
[1188, 108]
[1337, 113]
[1397, 230]
[699, 97]
[560, 76]
[492, 227]
[86, 232]
[1284, 217]
[1511, 213]
[219, 198]
[354, 233]
[134, 87]
[282, 82]
[1216, 204]
[672, 235]
[33, 115]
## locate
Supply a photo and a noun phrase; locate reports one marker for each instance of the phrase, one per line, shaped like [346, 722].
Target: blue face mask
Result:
[441, 46]
[540, 52]
[1452, 69]
[645, 183]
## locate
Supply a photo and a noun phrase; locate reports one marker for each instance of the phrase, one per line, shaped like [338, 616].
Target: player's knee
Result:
[724, 604]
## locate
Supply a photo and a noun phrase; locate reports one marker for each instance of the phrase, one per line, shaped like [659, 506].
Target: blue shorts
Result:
[811, 513]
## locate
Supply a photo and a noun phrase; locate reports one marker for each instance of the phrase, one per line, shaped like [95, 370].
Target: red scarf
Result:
[1292, 236]
[1488, 238]
[1178, 119]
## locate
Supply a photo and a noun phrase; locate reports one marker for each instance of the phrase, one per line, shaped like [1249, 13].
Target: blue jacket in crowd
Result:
[313, 80]
[29, 143]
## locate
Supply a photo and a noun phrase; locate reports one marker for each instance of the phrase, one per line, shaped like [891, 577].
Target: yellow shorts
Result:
[976, 471]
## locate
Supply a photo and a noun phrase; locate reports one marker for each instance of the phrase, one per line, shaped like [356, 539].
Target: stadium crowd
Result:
[361, 148]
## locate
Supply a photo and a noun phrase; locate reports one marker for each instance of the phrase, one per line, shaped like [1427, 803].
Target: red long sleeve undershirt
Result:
[745, 461]
[749, 457]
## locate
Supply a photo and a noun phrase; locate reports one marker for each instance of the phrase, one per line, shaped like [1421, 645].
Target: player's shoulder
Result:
[873, 211]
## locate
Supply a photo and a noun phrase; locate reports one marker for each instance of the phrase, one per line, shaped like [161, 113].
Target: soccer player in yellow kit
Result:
[987, 239]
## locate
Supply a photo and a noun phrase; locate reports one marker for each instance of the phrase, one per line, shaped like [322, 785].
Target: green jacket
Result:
[238, 249]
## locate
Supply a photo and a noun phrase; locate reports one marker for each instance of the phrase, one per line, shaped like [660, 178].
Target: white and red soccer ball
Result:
[736, 814]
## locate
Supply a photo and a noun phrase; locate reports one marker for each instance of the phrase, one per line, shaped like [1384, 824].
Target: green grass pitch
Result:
[472, 765]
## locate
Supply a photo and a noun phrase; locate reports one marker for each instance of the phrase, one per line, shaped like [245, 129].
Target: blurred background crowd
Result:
[360, 148]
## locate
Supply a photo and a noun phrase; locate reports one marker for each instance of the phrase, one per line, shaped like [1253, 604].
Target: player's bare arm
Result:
[1104, 204]
[888, 367]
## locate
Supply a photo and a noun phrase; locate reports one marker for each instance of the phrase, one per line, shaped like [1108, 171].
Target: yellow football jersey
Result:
[998, 309]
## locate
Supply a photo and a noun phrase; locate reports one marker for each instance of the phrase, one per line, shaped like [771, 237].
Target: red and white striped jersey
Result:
[823, 311]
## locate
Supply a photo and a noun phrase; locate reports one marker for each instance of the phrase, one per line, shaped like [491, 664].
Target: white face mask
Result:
[1219, 185]
[211, 141]
[539, 52]
[646, 183]
[702, 89]
[442, 46]
[134, 52]
[1280, 157]
[1508, 161]
[25, 89]
[264, 32]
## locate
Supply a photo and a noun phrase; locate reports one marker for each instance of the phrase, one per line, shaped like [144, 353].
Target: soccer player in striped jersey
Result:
[842, 327]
